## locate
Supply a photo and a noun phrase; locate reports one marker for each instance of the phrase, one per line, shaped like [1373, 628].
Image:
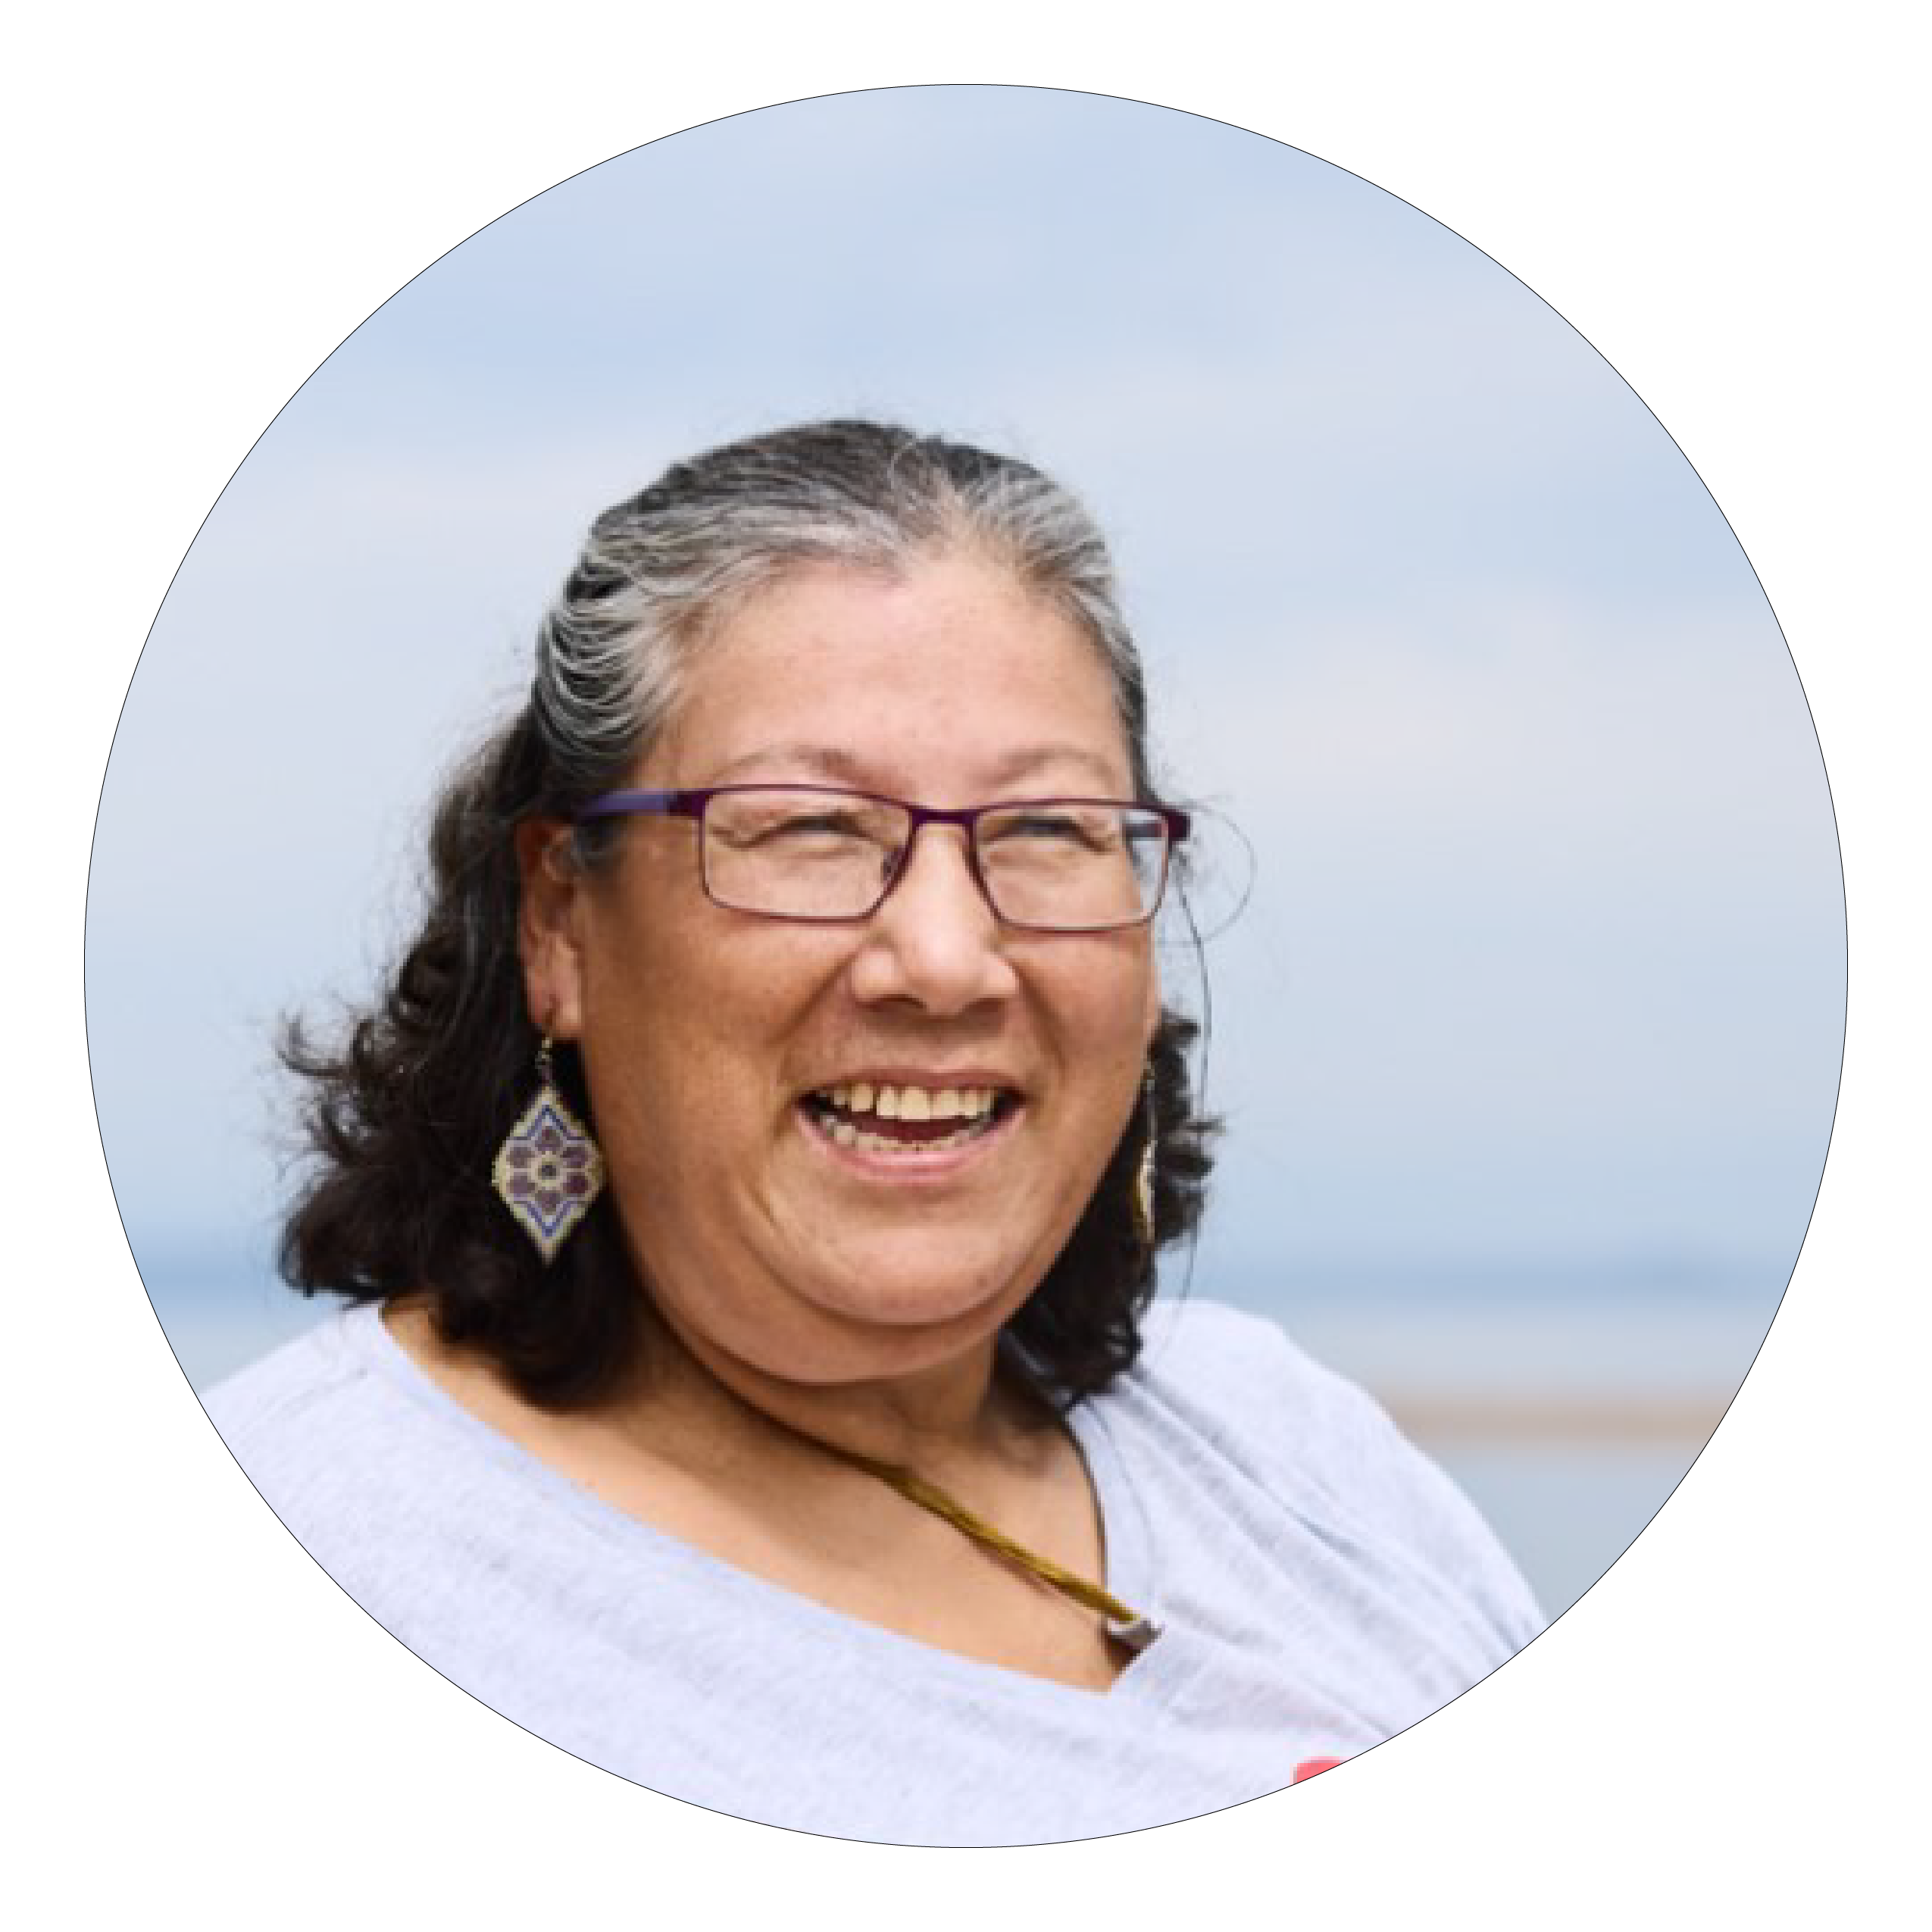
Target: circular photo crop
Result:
[965, 965]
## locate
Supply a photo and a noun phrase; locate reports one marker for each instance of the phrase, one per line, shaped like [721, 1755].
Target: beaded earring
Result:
[548, 1170]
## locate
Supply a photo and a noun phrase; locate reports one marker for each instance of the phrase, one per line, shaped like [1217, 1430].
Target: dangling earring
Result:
[1141, 1196]
[547, 1171]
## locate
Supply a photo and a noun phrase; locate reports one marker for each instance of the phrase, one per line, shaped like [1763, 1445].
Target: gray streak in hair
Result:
[659, 571]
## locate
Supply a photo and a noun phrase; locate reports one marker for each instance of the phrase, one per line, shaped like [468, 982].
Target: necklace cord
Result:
[929, 1496]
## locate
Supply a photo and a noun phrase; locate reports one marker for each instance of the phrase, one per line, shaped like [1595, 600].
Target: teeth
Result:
[911, 1103]
[971, 1106]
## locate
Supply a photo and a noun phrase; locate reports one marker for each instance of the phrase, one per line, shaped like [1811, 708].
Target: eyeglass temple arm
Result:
[615, 804]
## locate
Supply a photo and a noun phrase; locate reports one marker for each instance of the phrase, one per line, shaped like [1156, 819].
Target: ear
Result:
[550, 916]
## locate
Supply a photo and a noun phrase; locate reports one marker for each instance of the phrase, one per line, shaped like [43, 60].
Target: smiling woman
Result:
[773, 1247]
[750, 1185]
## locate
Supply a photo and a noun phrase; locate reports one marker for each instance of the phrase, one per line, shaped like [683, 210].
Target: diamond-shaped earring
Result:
[548, 1170]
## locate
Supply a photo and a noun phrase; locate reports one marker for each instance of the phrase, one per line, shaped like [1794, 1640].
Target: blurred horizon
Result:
[1566, 1422]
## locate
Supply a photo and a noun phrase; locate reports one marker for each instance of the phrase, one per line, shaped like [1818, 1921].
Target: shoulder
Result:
[311, 1413]
[301, 1378]
[1245, 1372]
[1215, 1379]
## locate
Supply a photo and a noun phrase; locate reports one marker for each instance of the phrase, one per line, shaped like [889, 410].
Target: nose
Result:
[936, 940]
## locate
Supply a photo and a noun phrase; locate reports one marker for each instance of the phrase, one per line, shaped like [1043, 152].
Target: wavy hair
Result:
[404, 1111]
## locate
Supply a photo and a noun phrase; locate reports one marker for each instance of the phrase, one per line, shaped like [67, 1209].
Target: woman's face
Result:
[710, 1037]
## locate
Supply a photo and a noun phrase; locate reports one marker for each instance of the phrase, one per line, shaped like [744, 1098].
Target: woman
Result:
[750, 1188]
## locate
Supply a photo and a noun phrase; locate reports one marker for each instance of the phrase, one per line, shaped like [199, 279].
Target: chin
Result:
[896, 1289]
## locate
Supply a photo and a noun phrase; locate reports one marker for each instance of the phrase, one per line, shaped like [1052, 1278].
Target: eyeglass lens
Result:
[1066, 865]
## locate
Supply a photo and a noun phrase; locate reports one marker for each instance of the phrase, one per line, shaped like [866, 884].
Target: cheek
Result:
[703, 1018]
[1108, 1013]
[1136, 1009]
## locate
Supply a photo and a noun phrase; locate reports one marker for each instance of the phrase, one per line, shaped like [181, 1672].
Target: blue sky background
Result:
[1540, 989]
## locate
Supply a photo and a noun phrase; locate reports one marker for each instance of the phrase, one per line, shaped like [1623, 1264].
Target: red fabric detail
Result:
[1311, 1767]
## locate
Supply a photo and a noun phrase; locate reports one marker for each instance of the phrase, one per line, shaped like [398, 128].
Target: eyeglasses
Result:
[812, 851]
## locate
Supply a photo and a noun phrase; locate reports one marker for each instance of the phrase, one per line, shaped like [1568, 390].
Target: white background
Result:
[1726, 202]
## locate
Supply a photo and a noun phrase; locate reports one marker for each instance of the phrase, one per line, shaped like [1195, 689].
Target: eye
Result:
[1080, 831]
[813, 824]
[793, 828]
[799, 824]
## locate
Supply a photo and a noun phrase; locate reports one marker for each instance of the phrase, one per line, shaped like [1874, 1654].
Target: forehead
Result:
[949, 670]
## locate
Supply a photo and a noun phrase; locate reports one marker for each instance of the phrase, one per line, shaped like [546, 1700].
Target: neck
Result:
[952, 1416]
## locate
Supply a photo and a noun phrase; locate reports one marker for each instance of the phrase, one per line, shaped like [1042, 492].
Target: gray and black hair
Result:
[403, 1115]
[660, 571]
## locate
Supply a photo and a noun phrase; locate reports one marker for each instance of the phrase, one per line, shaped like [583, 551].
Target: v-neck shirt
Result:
[1316, 1583]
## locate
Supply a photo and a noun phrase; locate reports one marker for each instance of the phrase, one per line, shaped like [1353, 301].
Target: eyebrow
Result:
[831, 761]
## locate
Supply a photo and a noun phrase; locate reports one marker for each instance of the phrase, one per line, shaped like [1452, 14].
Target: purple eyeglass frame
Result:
[692, 803]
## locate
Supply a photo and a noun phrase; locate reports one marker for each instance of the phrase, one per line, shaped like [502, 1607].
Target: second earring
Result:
[1142, 1193]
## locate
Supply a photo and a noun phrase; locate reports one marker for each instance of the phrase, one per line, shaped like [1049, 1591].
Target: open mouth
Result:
[882, 1119]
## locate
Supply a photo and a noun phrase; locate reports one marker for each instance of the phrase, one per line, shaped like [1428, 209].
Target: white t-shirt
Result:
[1318, 1585]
